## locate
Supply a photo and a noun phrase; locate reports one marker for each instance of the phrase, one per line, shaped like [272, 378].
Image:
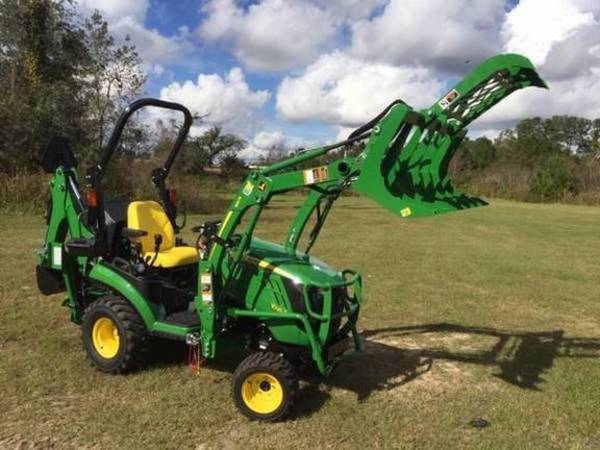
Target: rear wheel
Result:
[114, 335]
[264, 386]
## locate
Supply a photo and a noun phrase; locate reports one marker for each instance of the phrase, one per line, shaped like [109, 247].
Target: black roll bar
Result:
[122, 121]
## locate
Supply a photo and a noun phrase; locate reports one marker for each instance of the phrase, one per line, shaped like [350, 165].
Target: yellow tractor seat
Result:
[150, 217]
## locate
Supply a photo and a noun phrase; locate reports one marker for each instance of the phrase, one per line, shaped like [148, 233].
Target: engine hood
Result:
[299, 267]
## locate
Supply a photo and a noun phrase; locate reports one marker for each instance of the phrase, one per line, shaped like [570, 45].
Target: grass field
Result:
[492, 312]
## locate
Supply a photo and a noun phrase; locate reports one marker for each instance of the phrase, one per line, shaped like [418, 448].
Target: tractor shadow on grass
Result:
[396, 356]
[393, 357]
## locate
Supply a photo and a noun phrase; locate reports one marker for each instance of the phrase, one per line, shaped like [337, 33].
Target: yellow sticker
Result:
[248, 188]
[405, 212]
[277, 308]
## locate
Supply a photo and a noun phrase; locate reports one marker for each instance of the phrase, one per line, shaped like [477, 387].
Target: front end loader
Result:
[129, 276]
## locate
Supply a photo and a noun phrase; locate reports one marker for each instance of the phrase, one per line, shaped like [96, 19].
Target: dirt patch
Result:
[429, 365]
[455, 342]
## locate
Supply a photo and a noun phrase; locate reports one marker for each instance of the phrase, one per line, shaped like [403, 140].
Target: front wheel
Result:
[264, 386]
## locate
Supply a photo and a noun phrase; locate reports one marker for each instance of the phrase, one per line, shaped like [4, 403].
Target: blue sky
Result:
[300, 72]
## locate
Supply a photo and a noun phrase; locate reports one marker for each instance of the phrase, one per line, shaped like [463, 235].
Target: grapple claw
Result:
[405, 164]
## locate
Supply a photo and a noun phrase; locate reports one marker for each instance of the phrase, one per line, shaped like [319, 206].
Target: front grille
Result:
[339, 298]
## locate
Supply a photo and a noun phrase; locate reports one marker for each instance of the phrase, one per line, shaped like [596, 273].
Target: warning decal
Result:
[448, 99]
[316, 175]
[206, 282]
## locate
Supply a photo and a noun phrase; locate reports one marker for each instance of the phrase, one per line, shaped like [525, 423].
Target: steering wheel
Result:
[207, 233]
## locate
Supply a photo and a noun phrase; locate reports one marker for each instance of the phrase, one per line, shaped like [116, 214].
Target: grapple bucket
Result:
[405, 166]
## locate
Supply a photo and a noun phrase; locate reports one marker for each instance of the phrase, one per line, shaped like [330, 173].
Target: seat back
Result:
[151, 217]
[115, 217]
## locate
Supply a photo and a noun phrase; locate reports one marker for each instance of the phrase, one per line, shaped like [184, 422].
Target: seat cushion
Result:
[176, 256]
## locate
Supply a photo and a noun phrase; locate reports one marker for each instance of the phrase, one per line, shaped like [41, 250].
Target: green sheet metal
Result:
[405, 164]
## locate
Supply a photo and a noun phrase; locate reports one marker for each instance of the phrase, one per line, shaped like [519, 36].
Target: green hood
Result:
[298, 267]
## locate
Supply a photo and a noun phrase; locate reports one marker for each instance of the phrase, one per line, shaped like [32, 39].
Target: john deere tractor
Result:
[129, 277]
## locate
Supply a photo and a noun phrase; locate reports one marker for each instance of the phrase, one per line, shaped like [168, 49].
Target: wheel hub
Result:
[105, 337]
[262, 393]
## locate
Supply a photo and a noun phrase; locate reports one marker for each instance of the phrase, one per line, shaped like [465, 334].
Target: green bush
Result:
[23, 192]
[555, 180]
[209, 194]
[478, 154]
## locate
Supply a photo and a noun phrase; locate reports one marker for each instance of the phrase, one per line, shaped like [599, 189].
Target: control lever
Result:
[157, 243]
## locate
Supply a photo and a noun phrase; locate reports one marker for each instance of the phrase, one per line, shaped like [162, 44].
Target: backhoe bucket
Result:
[405, 167]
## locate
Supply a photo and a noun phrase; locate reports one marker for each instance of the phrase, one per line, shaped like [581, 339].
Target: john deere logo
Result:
[262, 186]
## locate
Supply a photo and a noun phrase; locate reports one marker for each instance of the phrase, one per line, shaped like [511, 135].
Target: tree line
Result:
[539, 160]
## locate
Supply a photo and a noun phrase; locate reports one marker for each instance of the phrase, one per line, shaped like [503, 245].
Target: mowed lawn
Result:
[490, 313]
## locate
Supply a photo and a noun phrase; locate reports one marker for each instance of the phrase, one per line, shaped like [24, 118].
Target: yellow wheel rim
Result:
[262, 393]
[105, 336]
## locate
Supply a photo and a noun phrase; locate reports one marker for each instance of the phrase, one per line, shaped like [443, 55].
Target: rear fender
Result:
[118, 283]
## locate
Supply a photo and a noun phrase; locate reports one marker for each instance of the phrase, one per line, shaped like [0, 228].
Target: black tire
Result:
[132, 337]
[259, 374]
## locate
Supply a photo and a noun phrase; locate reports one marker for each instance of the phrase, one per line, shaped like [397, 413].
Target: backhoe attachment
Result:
[405, 163]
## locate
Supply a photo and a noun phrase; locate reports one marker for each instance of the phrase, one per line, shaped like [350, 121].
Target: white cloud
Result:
[575, 56]
[223, 100]
[342, 133]
[342, 90]
[117, 9]
[157, 69]
[126, 18]
[533, 27]
[153, 47]
[440, 34]
[349, 9]
[222, 17]
[270, 35]
[562, 38]
[264, 142]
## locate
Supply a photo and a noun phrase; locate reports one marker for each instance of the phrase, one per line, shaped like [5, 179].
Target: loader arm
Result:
[403, 167]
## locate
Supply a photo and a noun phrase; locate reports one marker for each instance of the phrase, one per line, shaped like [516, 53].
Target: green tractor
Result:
[129, 277]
